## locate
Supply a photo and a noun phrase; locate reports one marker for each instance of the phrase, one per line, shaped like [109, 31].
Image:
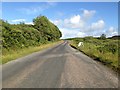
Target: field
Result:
[105, 51]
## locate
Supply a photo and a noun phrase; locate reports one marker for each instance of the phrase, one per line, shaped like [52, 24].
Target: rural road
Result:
[58, 67]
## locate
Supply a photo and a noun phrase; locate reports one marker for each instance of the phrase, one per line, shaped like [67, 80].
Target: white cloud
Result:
[76, 27]
[29, 23]
[114, 33]
[75, 19]
[56, 22]
[94, 29]
[81, 34]
[95, 26]
[18, 20]
[79, 26]
[99, 25]
[74, 22]
[111, 31]
[66, 33]
[87, 14]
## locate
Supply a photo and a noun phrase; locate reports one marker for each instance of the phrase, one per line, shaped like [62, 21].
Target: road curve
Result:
[58, 67]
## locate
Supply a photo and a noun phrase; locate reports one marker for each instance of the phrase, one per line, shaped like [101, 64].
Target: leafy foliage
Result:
[22, 35]
[108, 48]
[48, 29]
[103, 36]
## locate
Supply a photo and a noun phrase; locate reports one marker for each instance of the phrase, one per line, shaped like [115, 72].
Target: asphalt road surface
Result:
[58, 67]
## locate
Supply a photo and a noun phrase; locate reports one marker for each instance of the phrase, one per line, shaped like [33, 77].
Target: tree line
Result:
[23, 35]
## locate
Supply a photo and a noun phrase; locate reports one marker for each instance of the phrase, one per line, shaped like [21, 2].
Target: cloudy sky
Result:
[74, 19]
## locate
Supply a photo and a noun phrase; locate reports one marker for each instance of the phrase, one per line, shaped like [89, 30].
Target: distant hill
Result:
[115, 37]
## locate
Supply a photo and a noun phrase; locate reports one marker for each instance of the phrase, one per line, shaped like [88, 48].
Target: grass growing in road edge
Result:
[14, 54]
[92, 50]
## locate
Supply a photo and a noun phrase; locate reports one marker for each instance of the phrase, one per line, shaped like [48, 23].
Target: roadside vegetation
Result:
[20, 38]
[14, 54]
[100, 49]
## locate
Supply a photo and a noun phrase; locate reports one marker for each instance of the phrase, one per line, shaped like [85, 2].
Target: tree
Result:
[22, 35]
[103, 36]
[50, 31]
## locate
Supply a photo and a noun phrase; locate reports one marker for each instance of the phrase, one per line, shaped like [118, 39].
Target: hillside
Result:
[115, 37]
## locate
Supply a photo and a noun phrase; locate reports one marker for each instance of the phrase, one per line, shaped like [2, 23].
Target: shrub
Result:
[23, 35]
[103, 36]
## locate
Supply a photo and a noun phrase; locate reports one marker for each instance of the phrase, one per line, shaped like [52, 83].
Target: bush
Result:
[108, 48]
[22, 35]
[103, 37]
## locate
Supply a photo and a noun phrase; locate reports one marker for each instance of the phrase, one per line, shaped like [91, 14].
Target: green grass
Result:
[91, 49]
[14, 54]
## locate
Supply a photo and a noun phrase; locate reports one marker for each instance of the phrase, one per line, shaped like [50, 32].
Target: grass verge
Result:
[108, 59]
[14, 54]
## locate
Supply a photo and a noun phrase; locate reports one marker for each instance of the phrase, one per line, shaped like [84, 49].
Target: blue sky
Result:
[74, 19]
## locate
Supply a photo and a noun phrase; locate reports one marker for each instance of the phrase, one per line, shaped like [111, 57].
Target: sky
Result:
[74, 19]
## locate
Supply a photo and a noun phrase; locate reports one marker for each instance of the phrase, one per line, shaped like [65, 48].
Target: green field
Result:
[105, 51]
